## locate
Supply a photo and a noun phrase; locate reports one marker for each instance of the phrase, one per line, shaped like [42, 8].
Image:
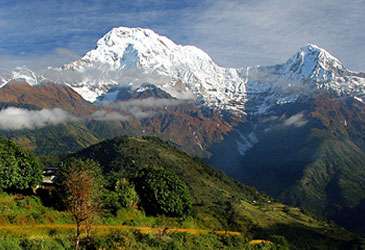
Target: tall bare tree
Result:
[82, 191]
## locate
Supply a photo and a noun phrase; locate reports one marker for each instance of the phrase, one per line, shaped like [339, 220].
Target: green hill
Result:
[218, 201]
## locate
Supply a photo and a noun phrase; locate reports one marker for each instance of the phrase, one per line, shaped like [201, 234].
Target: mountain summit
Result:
[136, 55]
[313, 62]
[309, 71]
[316, 66]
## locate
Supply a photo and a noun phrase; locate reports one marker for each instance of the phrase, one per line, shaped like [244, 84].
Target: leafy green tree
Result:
[127, 194]
[120, 195]
[19, 170]
[163, 192]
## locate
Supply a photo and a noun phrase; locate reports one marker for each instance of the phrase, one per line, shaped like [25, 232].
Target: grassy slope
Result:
[26, 224]
[59, 139]
[219, 202]
[19, 209]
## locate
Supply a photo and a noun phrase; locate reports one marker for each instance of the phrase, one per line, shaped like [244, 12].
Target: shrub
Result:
[110, 201]
[8, 242]
[120, 195]
[127, 194]
[280, 242]
[33, 244]
[162, 192]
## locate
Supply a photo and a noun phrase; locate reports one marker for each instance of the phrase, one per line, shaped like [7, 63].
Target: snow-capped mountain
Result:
[20, 73]
[314, 63]
[308, 71]
[136, 55]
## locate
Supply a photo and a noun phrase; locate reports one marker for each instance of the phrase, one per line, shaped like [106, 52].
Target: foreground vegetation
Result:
[136, 240]
[153, 196]
[27, 224]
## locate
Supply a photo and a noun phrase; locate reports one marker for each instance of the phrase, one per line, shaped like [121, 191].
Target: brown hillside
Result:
[48, 95]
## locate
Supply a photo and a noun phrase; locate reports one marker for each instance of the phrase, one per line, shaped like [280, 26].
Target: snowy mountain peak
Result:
[312, 62]
[308, 71]
[136, 47]
[23, 73]
[145, 56]
[20, 73]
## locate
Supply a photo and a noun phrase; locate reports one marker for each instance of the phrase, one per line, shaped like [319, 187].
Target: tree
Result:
[127, 194]
[19, 170]
[120, 194]
[82, 184]
[163, 192]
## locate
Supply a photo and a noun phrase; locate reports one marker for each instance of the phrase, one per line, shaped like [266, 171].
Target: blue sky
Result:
[235, 33]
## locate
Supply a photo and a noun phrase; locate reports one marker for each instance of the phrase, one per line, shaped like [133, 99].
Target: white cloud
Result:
[233, 32]
[16, 118]
[139, 113]
[252, 32]
[137, 108]
[296, 120]
[144, 108]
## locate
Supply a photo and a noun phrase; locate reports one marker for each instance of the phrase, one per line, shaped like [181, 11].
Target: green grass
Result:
[135, 240]
[20, 209]
[69, 138]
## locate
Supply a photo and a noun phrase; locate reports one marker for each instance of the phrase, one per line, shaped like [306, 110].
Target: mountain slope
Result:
[309, 154]
[55, 139]
[126, 93]
[144, 110]
[186, 125]
[303, 138]
[218, 201]
[45, 96]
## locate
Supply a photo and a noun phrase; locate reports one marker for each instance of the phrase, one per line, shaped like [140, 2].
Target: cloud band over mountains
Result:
[13, 118]
[16, 118]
